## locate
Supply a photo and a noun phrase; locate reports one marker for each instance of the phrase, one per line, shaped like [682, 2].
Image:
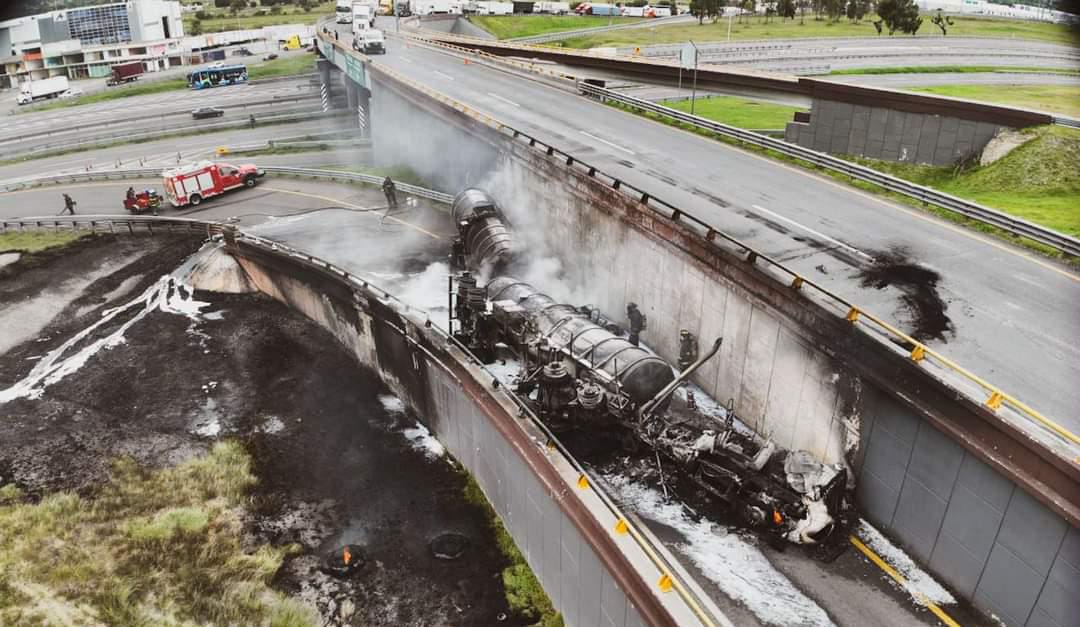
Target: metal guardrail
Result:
[145, 173]
[995, 398]
[1016, 226]
[273, 118]
[1070, 122]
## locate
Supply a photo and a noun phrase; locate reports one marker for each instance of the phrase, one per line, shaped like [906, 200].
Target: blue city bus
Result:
[217, 76]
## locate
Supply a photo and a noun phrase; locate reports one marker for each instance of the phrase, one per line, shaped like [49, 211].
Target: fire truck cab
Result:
[191, 184]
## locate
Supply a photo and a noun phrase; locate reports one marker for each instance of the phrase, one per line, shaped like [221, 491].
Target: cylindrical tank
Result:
[640, 373]
[487, 237]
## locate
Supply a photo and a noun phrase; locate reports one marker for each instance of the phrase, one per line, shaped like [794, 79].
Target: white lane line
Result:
[406, 59]
[446, 76]
[604, 141]
[498, 97]
[815, 233]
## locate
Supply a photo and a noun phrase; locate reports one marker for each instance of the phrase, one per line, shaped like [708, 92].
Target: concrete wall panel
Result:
[758, 368]
[782, 404]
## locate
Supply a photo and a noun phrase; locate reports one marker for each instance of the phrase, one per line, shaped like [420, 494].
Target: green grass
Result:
[35, 241]
[738, 111]
[951, 69]
[945, 214]
[755, 28]
[222, 20]
[524, 593]
[509, 26]
[282, 66]
[1038, 181]
[1059, 99]
[150, 548]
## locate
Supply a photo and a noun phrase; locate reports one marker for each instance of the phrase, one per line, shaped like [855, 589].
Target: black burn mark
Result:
[710, 197]
[919, 288]
[833, 251]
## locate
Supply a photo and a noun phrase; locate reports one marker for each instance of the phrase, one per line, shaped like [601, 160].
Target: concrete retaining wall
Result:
[989, 540]
[843, 128]
[566, 538]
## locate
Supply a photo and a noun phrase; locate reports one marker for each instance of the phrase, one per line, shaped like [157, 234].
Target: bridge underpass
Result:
[896, 445]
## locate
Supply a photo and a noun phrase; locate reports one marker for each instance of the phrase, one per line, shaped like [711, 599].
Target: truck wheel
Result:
[249, 181]
[195, 200]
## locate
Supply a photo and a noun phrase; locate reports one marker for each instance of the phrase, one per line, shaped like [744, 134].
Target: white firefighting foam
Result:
[167, 294]
[918, 583]
[726, 557]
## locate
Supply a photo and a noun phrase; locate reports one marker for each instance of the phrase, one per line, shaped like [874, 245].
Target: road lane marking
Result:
[604, 141]
[889, 570]
[444, 75]
[497, 96]
[815, 233]
[406, 59]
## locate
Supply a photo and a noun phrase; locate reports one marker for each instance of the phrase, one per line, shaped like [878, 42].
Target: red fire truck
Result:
[194, 183]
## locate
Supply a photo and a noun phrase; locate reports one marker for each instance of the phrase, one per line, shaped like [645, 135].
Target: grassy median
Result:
[510, 26]
[150, 548]
[738, 111]
[1054, 99]
[36, 241]
[756, 28]
[1038, 181]
[224, 20]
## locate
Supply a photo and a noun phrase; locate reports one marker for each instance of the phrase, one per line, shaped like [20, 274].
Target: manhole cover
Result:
[344, 561]
[449, 545]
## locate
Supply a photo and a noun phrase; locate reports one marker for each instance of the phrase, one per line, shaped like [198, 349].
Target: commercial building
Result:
[86, 42]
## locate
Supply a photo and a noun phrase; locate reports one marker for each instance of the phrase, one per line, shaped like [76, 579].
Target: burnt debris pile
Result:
[590, 382]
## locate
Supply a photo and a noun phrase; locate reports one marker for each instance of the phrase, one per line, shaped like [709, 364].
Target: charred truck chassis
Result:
[579, 374]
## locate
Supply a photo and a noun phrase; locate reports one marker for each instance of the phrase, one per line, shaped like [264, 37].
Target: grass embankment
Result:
[399, 173]
[283, 149]
[283, 66]
[953, 69]
[509, 26]
[222, 20]
[738, 111]
[1059, 99]
[36, 241]
[1038, 181]
[756, 28]
[524, 593]
[151, 548]
[874, 189]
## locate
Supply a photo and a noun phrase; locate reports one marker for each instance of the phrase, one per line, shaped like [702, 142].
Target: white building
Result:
[86, 42]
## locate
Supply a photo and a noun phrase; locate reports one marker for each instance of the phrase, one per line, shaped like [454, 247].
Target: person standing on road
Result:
[69, 205]
[251, 120]
[390, 190]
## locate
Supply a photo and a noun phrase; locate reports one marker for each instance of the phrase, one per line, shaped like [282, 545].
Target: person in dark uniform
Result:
[69, 205]
[637, 322]
[251, 120]
[131, 194]
[390, 190]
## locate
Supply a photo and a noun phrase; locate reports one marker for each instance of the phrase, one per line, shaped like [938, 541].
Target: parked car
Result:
[216, 64]
[207, 112]
[242, 52]
[270, 57]
[74, 92]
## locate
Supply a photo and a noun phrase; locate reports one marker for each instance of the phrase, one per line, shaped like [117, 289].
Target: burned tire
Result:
[195, 200]
[249, 181]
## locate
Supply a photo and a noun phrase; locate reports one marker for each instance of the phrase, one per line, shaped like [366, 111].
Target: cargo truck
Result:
[32, 91]
[125, 73]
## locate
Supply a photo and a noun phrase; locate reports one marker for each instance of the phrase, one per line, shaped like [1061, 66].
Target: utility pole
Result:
[693, 91]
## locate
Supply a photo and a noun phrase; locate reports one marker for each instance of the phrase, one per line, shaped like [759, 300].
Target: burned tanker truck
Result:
[581, 376]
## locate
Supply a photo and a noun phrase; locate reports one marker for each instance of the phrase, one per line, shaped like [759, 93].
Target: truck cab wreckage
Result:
[580, 374]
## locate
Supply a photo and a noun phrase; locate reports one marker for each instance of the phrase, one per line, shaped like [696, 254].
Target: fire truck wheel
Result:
[249, 181]
[195, 200]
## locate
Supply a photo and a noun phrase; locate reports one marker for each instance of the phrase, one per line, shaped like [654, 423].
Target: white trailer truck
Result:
[31, 91]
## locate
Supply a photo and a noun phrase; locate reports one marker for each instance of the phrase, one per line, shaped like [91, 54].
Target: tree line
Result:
[892, 15]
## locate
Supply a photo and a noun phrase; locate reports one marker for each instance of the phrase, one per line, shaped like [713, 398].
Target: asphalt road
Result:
[54, 128]
[817, 56]
[1013, 314]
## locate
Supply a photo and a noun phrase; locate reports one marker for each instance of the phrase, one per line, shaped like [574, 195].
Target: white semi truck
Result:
[344, 11]
[31, 91]
[363, 15]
